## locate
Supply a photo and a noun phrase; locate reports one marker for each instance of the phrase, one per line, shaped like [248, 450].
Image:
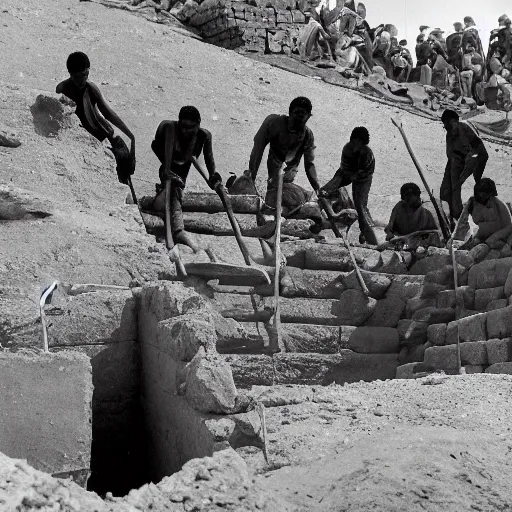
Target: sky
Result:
[408, 15]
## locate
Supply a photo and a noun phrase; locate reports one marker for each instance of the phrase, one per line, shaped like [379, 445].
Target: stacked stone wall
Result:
[263, 28]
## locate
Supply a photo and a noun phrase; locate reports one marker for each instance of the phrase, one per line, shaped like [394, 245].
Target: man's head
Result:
[458, 26]
[359, 138]
[450, 120]
[411, 195]
[299, 113]
[469, 21]
[484, 190]
[403, 42]
[189, 120]
[420, 39]
[504, 21]
[361, 10]
[78, 65]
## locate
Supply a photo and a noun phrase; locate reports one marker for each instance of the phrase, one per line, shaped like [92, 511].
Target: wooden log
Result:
[254, 308]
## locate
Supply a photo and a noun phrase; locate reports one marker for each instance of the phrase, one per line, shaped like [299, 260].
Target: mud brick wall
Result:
[264, 28]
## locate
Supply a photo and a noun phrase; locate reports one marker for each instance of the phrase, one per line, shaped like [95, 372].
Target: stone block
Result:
[387, 313]
[464, 259]
[354, 308]
[405, 287]
[434, 259]
[486, 295]
[413, 353]
[210, 386]
[392, 263]
[182, 337]
[432, 290]
[493, 254]
[466, 296]
[284, 17]
[442, 358]
[45, 399]
[417, 303]
[473, 352]
[442, 276]
[411, 370]
[499, 351]
[474, 368]
[499, 323]
[298, 17]
[504, 368]
[378, 284]
[489, 274]
[479, 252]
[497, 304]
[412, 332]
[508, 285]
[496, 245]
[506, 251]
[473, 328]
[433, 315]
[374, 340]
[436, 334]
[446, 299]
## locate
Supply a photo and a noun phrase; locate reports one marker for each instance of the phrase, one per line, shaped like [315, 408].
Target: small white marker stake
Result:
[46, 298]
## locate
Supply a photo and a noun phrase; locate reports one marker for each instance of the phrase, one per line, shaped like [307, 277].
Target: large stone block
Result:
[499, 323]
[374, 340]
[446, 299]
[417, 303]
[436, 334]
[471, 369]
[433, 290]
[412, 332]
[464, 259]
[378, 284]
[210, 386]
[442, 358]
[405, 287]
[442, 276]
[497, 304]
[473, 328]
[182, 337]
[505, 368]
[466, 296]
[45, 399]
[409, 370]
[432, 315]
[486, 295]
[354, 308]
[392, 263]
[473, 353]
[489, 274]
[479, 252]
[167, 299]
[413, 353]
[387, 313]
[433, 260]
[508, 284]
[499, 351]
[336, 257]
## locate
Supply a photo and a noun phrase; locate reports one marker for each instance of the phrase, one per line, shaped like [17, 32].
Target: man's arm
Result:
[60, 87]
[261, 139]
[390, 228]
[170, 135]
[309, 161]
[111, 116]
[215, 177]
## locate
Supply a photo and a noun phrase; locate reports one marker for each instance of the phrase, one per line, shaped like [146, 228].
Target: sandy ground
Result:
[438, 443]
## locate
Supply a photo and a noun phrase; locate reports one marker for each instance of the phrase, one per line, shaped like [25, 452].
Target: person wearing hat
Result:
[454, 45]
[489, 213]
[471, 36]
[500, 42]
[175, 143]
[95, 113]
[401, 60]
[466, 155]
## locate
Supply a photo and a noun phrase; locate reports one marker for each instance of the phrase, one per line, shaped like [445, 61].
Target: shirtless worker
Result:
[96, 115]
[408, 215]
[466, 156]
[290, 140]
[175, 143]
[357, 167]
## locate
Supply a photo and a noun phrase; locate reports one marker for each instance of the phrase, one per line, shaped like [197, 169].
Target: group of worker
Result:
[176, 143]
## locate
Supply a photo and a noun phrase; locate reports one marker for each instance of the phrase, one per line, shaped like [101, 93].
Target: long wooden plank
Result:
[252, 275]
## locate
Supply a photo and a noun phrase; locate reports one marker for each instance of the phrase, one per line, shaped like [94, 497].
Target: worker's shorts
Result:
[177, 223]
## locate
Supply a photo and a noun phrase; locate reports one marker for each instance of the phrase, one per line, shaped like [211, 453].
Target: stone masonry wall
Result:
[270, 26]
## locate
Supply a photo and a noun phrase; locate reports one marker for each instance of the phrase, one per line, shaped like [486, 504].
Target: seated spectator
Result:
[489, 213]
[409, 216]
